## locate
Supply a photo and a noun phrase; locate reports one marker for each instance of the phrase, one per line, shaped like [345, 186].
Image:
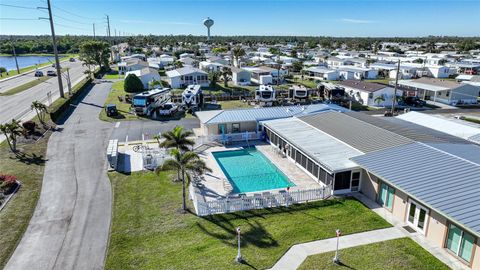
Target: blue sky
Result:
[252, 17]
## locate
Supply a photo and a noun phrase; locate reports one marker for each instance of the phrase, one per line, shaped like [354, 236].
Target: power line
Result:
[18, 19]
[14, 6]
[72, 27]
[71, 13]
[70, 20]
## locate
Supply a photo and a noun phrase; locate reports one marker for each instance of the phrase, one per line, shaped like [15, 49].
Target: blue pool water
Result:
[248, 170]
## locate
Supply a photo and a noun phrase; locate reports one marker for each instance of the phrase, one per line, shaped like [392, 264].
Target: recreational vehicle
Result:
[145, 103]
[298, 92]
[265, 94]
[192, 97]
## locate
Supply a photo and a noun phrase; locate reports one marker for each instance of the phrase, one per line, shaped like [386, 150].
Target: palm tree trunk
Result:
[184, 196]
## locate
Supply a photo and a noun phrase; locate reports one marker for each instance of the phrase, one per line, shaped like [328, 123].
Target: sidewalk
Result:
[298, 253]
[295, 256]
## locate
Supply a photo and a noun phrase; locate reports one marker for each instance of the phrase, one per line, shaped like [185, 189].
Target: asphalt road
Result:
[70, 226]
[15, 105]
[135, 129]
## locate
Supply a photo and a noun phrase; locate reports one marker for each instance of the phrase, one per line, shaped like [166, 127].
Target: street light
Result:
[239, 258]
[336, 259]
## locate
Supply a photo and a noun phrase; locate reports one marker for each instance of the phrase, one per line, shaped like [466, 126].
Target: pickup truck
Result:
[414, 101]
[168, 108]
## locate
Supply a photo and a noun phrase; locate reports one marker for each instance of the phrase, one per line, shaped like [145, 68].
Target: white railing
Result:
[231, 137]
[255, 201]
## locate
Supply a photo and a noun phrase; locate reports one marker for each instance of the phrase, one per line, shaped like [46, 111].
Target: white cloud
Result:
[357, 21]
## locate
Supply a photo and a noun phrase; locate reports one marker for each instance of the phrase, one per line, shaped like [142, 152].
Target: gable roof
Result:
[441, 180]
[184, 71]
[360, 135]
[260, 114]
[362, 85]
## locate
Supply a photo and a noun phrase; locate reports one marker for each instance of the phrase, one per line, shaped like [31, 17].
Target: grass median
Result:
[30, 68]
[28, 85]
[399, 254]
[148, 232]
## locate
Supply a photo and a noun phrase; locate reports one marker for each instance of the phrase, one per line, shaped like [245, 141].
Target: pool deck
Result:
[216, 184]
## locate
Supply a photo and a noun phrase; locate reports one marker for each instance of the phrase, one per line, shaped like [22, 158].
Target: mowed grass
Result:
[148, 232]
[398, 254]
[28, 167]
[234, 104]
[123, 108]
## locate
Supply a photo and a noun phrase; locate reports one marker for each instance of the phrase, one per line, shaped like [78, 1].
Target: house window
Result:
[460, 242]
[370, 95]
[448, 93]
[222, 129]
[385, 197]
[235, 127]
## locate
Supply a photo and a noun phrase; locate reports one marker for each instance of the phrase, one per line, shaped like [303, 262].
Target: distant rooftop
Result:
[362, 85]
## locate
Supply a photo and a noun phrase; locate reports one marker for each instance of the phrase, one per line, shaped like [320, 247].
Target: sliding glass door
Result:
[460, 242]
[386, 195]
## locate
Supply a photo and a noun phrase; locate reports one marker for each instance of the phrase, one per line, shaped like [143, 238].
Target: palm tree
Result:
[186, 164]
[278, 65]
[238, 52]
[213, 77]
[158, 137]
[225, 72]
[40, 109]
[177, 138]
[11, 131]
[379, 99]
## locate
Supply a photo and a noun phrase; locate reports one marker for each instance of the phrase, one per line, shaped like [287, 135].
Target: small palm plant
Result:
[12, 130]
[40, 109]
[379, 99]
[186, 164]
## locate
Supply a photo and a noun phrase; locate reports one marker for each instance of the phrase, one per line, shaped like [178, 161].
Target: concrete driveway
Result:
[70, 226]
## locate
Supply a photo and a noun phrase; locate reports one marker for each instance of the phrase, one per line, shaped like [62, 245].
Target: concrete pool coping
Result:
[214, 185]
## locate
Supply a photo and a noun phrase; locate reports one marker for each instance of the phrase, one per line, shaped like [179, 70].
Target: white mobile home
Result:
[185, 76]
[370, 94]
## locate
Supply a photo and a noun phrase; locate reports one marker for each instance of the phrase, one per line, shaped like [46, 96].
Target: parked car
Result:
[72, 59]
[51, 73]
[53, 65]
[168, 108]
[111, 110]
[38, 73]
[414, 101]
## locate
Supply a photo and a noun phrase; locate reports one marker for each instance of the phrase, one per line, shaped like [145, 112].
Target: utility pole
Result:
[55, 51]
[93, 30]
[396, 85]
[15, 55]
[109, 38]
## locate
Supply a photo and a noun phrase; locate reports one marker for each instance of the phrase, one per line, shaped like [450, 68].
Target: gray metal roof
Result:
[360, 135]
[267, 113]
[407, 129]
[441, 180]
[321, 147]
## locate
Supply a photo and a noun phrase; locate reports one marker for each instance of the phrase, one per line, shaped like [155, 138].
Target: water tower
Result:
[208, 23]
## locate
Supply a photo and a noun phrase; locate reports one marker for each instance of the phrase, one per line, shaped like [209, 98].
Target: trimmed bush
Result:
[29, 126]
[132, 84]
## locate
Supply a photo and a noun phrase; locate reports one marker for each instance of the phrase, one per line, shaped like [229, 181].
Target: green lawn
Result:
[28, 167]
[148, 232]
[398, 254]
[25, 69]
[234, 104]
[28, 85]
[122, 107]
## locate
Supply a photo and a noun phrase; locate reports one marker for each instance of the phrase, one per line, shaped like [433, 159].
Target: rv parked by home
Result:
[298, 92]
[265, 94]
[192, 97]
[146, 102]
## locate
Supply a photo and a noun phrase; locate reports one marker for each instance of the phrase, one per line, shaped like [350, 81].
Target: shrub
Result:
[8, 183]
[132, 84]
[29, 126]
[8, 178]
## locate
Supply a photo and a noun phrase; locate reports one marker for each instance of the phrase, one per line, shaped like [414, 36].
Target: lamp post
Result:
[336, 259]
[238, 259]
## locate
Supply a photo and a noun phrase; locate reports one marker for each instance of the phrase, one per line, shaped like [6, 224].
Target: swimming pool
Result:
[248, 170]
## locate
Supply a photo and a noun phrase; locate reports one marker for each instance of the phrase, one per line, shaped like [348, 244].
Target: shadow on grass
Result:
[29, 158]
[345, 265]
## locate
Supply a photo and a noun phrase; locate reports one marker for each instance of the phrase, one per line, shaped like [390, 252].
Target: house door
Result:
[417, 216]
[385, 197]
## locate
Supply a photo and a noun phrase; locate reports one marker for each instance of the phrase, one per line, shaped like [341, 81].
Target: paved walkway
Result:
[298, 253]
[295, 256]
[70, 226]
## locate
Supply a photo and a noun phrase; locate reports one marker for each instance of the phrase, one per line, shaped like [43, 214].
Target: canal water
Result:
[8, 62]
